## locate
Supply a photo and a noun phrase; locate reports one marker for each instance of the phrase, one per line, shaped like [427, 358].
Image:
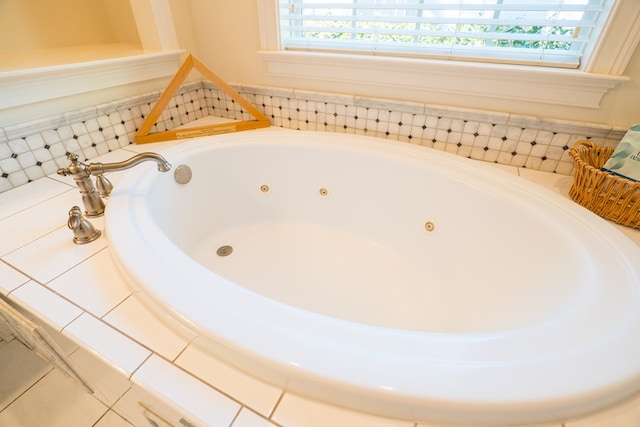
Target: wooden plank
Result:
[166, 96]
[143, 136]
[220, 128]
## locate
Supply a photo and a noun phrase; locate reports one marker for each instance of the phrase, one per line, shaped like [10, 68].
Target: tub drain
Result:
[224, 250]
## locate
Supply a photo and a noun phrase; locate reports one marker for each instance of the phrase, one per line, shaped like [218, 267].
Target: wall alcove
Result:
[56, 50]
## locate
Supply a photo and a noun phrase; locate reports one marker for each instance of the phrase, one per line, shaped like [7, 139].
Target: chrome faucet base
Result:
[81, 173]
[83, 230]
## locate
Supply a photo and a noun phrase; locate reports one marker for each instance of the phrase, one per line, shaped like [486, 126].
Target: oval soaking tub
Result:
[385, 277]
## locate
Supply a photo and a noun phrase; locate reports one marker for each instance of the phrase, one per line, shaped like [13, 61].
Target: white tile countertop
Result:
[76, 291]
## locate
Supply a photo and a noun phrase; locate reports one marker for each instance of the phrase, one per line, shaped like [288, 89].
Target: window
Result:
[549, 32]
[574, 59]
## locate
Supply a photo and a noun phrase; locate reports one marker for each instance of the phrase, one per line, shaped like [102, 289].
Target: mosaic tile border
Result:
[35, 149]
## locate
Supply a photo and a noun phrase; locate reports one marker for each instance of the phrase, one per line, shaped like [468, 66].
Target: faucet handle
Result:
[74, 162]
[83, 230]
[103, 185]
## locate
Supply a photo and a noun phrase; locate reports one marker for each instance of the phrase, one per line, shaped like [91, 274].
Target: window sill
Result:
[516, 83]
[43, 83]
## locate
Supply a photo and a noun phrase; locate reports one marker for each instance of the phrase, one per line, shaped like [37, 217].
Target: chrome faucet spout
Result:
[82, 172]
[101, 168]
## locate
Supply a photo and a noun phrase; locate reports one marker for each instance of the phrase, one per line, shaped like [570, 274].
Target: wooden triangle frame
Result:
[143, 136]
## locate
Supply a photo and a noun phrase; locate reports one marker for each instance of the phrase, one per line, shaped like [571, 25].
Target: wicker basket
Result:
[609, 196]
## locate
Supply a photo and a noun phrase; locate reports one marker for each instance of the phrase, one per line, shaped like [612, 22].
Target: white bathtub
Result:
[385, 277]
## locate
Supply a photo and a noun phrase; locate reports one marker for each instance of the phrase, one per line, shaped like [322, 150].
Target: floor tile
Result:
[60, 402]
[111, 419]
[20, 368]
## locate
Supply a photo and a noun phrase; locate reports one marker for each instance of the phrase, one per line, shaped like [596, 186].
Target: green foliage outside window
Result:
[416, 33]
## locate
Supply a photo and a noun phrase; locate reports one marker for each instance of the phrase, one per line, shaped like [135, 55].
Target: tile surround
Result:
[40, 302]
[184, 391]
[44, 249]
[11, 279]
[294, 410]
[35, 149]
[80, 284]
[115, 348]
[256, 394]
[246, 418]
[18, 235]
[146, 329]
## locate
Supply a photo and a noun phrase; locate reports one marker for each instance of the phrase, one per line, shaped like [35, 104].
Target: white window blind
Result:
[542, 32]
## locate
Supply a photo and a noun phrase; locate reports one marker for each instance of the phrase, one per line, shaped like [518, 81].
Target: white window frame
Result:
[585, 87]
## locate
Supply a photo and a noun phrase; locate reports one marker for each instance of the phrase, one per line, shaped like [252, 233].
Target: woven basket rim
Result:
[610, 196]
[581, 148]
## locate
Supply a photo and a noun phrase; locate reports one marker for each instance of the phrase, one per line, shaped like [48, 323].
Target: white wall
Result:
[225, 35]
[227, 39]
[73, 54]
[38, 25]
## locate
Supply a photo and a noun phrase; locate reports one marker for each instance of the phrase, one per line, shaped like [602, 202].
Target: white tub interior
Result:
[352, 234]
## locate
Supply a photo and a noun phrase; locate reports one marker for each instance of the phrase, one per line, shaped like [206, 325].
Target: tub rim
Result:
[558, 397]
